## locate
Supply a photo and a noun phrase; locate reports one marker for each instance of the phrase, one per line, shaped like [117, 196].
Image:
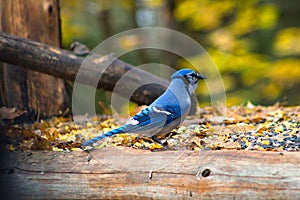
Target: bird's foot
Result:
[155, 139]
[163, 144]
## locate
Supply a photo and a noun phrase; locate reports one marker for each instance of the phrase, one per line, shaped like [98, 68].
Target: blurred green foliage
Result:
[254, 43]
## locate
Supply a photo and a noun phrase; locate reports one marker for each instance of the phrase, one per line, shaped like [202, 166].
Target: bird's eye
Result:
[192, 78]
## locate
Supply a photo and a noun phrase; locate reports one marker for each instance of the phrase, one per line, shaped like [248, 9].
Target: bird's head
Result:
[189, 77]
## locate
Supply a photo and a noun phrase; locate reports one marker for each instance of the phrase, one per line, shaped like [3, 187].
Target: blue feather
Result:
[105, 135]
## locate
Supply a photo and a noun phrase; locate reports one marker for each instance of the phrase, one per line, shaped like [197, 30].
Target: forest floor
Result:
[252, 128]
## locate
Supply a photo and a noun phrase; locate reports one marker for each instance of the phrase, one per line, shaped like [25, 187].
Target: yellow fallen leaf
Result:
[155, 146]
[11, 147]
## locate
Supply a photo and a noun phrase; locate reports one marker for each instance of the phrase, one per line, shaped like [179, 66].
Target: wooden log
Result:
[64, 64]
[26, 89]
[124, 173]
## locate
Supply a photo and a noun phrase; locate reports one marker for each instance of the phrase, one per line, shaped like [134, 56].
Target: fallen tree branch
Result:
[64, 64]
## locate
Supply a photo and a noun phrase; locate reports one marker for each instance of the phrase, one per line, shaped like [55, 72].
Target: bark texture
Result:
[23, 88]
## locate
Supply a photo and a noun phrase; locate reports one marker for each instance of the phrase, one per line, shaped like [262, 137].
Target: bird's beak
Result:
[201, 76]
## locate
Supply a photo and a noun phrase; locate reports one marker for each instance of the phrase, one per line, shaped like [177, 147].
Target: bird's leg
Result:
[164, 145]
[155, 139]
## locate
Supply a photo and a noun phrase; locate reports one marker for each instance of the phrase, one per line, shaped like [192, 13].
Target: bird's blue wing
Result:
[152, 118]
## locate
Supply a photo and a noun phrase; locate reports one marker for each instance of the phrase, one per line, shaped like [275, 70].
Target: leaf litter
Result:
[249, 127]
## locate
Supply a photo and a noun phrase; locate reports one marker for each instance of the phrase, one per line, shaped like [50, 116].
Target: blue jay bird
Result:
[165, 113]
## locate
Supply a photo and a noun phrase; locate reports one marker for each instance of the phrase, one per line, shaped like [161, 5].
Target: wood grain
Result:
[124, 173]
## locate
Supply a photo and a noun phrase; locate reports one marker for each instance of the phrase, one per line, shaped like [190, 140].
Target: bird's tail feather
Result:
[107, 134]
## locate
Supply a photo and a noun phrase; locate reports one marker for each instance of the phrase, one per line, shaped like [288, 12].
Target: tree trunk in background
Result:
[26, 89]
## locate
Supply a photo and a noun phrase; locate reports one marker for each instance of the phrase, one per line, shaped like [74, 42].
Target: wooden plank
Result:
[124, 173]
